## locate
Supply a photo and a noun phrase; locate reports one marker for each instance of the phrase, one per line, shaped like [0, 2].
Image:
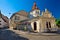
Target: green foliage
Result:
[58, 22]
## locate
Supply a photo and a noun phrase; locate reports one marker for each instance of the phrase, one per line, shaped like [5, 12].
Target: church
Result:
[40, 22]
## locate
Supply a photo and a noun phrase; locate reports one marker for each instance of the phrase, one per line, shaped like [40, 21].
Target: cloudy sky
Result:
[8, 7]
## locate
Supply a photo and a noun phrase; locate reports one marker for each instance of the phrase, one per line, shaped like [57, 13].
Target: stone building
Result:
[4, 21]
[40, 22]
[17, 19]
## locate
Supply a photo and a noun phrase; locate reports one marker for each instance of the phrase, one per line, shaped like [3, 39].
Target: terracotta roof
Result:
[22, 12]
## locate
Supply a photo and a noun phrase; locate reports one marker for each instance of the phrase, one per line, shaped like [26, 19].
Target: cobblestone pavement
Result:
[20, 35]
[10, 35]
[38, 37]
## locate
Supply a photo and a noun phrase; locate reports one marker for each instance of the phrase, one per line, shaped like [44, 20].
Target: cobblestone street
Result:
[10, 35]
[20, 35]
[38, 37]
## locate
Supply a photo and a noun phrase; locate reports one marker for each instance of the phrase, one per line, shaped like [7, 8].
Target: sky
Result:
[9, 7]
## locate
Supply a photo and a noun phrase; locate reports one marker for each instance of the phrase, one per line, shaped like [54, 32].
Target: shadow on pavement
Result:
[10, 35]
[58, 31]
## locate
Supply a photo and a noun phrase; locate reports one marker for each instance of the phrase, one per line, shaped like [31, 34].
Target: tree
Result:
[58, 22]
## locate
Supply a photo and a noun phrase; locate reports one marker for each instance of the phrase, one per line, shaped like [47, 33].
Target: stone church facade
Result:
[40, 22]
[44, 22]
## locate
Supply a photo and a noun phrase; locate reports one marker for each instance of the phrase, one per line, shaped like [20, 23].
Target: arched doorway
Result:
[49, 25]
[35, 26]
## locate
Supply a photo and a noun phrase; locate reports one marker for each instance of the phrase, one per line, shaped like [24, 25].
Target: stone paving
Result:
[32, 36]
[10, 35]
[21, 35]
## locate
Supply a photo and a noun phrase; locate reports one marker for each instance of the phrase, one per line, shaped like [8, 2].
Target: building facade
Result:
[17, 19]
[40, 22]
[4, 21]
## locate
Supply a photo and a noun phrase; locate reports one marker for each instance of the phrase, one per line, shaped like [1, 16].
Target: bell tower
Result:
[34, 6]
[35, 11]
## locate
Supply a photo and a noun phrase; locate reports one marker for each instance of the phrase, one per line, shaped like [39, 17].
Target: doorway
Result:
[35, 26]
[47, 26]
